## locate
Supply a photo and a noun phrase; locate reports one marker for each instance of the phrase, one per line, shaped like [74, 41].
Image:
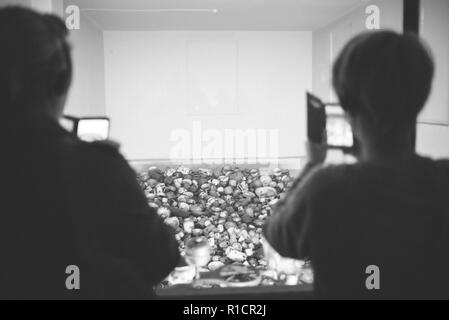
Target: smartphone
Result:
[88, 129]
[316, 119]
[327, 124]
[338, 129]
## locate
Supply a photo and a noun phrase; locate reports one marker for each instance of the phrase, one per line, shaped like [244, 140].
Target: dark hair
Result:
[35, 61]
[385, 77]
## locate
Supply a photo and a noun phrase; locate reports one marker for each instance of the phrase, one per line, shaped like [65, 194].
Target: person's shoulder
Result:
[436, 166]
[102, 153]
[443, 164]
[332, 173]
[327, 177]
[104, 156]
[105, 161]
[100, 148]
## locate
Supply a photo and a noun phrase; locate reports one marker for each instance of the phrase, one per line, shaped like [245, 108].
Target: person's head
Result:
[35, 63]
[383, 80]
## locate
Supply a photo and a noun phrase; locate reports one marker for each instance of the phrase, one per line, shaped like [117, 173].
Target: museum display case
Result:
[218, 214]
[191, 84]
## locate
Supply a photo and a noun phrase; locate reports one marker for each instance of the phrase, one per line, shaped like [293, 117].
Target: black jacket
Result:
[66, 202]
[393, 215]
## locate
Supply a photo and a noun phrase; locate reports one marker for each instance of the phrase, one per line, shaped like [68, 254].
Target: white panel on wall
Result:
[339, 32]
[433, 141]
[340, 35]
[87, 93]
[44, 6]
[434, 29]
[23, 3]
[212, 77]
[433, 129]
[148, 86]
[322, 64]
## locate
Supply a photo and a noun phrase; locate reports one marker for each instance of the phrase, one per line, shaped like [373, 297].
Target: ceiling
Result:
[275, 15]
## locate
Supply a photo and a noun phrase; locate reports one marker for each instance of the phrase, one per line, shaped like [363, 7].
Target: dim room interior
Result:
[174, 75]
[160, 67]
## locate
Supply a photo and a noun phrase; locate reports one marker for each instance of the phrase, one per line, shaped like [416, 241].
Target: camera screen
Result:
[338, 129]
[93, 129]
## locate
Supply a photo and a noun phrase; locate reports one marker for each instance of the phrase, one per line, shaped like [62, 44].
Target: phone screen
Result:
[93, 129]
[316, 119]
[338, 130]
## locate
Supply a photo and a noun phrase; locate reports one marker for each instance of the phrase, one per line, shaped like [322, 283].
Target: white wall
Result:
[24, 3]
[87, 94]
[330, 40]
[158, 81]
[433, 129]
[47, 6]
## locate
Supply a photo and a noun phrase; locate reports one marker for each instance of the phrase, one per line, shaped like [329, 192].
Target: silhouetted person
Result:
[65, 202]
[389, 210]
